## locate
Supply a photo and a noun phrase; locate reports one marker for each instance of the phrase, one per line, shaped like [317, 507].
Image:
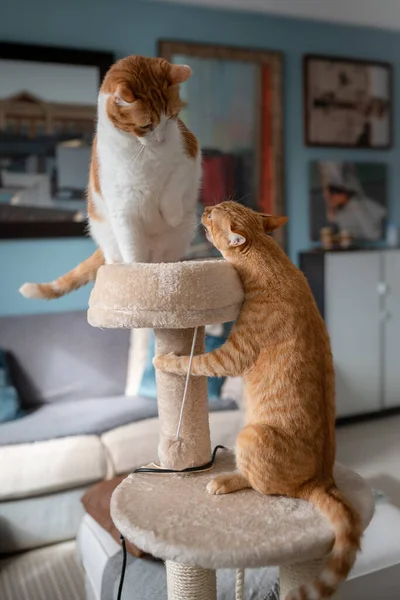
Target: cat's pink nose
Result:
[160, 137]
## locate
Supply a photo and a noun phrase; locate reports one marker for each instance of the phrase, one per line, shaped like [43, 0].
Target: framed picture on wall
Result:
[347, 103]
[48, 100]
[350, 197]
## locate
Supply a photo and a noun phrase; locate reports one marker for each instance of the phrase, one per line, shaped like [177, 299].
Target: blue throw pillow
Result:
[9, 401]
[148, 387]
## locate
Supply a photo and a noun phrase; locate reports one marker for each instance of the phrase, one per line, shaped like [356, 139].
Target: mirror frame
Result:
[167, 48]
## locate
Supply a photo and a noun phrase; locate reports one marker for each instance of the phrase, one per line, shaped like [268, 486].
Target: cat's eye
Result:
[146, 128]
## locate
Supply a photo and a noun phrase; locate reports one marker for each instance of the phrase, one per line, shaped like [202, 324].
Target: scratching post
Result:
[171, 515]
[193, 447]
[172, 298]
[190, 583]
[292, 576]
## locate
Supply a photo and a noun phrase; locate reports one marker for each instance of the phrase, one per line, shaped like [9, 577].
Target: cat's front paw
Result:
[218, 486]
[226, 484]
[175, 219]
[168, 363]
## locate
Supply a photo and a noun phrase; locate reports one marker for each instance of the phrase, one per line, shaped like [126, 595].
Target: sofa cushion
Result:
[82, 417]
[33, 522]
[59, 357]
[46, 467]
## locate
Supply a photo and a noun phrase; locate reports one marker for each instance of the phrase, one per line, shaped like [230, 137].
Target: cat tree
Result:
[172, 516]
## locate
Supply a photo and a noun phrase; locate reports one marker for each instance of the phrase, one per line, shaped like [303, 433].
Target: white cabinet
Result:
[352, 315]
[358, 293]
[391, 346]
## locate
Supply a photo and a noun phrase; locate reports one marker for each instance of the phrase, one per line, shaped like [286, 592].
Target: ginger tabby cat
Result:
[280, 346]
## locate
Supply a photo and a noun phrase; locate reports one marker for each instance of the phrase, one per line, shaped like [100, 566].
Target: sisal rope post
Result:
[239, 584]
[190, 583]
[292, 576]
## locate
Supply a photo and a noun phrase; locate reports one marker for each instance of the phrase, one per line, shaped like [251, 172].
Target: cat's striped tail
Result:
[73, 280]
[347, 526]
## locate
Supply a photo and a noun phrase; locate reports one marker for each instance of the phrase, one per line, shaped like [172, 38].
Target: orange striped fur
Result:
[189, 140]
[73, 280]
[152, 82]
[280, 346]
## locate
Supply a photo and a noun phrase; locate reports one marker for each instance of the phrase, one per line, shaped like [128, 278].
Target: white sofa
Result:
[79, 426]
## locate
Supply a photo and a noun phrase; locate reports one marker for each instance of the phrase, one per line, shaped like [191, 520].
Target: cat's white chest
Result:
[132, 176]
[148, 194]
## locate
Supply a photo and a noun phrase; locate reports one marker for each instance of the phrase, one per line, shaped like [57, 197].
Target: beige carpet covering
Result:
[174, 518]
[51, 573]
[165, 296]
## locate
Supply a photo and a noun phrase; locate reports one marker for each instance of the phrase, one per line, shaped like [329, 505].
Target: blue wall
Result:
[134, 26]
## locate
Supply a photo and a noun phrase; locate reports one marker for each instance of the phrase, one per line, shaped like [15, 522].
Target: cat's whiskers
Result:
[138, 154]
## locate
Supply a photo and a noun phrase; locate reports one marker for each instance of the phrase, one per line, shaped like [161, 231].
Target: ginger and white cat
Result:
[144, 175]
[280, 346]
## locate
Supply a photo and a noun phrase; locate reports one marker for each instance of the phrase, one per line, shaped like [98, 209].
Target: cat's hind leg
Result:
[133, 244]
[101, 231]
[271, 461]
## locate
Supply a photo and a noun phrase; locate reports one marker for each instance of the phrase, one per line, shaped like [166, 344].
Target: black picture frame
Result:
[63, 55]
[309, 142]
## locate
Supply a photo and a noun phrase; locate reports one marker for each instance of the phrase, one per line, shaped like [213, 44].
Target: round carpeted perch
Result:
[172, 516]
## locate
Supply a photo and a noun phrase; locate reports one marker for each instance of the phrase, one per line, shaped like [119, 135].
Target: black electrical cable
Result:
[187, 470]
[121, 581]
[161, 470]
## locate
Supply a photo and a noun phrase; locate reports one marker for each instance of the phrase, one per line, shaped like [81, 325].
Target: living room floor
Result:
[372, 449]
[53, 573]
[50, 573]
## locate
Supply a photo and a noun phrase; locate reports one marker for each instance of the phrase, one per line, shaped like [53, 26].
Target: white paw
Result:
[175, 219]
[30, 290]
[215, 487]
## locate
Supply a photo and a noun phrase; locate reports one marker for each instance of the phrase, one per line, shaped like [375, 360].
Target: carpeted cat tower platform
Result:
[171, 516]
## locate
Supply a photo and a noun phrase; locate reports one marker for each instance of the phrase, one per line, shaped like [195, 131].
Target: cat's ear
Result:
[179, 73]
[271, 223]
[123, 95]
[236, 239]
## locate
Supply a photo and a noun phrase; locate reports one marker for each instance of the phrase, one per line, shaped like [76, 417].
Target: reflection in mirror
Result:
[219, 101]
[232, 103]
[48, 100]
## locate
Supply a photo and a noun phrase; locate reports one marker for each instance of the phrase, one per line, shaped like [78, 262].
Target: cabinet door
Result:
[353, 317]
[391, 347]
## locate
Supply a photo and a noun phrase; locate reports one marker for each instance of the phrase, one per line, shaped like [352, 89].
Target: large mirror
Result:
[48, 100]
[233, 104]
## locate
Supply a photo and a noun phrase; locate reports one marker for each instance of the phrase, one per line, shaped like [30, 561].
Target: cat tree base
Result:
[174, 518]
